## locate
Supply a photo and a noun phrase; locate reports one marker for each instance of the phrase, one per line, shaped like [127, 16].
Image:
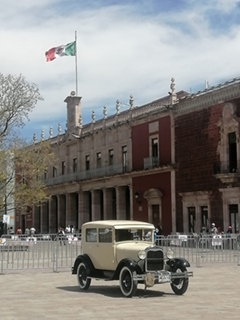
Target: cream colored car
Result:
[124, 250]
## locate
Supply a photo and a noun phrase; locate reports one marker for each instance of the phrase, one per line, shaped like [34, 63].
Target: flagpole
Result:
[76, 71]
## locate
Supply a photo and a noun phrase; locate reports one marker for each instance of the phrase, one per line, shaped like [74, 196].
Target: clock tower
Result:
[73, 112]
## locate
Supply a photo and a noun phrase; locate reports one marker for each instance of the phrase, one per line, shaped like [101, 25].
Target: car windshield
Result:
[133, 234]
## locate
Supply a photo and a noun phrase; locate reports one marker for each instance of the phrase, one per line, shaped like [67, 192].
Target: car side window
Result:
[105, 235]
[91, 235]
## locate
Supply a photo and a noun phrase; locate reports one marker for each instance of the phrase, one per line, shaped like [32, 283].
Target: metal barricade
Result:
[38, 252]
[183, 245]
[59, 253]
[219, 248]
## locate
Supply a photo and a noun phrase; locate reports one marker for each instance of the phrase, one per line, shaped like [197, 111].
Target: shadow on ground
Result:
[114, 291]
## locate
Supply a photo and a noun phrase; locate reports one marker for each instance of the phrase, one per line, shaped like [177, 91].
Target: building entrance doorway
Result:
[233, 217]
[191, 219]
[155, 214]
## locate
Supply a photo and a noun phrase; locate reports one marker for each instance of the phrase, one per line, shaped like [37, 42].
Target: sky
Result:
[124, 47]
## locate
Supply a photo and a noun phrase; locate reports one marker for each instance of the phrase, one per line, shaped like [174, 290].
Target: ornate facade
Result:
[173, 162]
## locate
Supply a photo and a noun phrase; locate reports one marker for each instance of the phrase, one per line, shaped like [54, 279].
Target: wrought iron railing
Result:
[226, 167]
[88, 174]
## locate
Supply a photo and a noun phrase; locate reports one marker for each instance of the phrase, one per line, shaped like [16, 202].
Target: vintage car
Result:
[124, 250]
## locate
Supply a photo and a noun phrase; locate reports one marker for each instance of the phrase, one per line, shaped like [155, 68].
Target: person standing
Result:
[214, 229]
[19, 231]
[61, 236]
[32, 231]
[229, 230]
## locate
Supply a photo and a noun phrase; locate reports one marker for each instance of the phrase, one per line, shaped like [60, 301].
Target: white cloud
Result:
[121, 51]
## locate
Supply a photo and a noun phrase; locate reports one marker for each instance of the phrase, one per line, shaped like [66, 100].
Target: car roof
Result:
[118, 224]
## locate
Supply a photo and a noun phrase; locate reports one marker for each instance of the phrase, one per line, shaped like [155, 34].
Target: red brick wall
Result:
[140, 142]
[197, 136]
[162, 182]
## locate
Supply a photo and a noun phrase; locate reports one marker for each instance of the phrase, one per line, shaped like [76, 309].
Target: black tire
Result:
[127, 285]
[83, 281]
[179, 286]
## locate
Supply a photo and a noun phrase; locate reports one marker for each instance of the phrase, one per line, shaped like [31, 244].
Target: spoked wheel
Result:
[83, 281]
[127, 285]
[179, 286]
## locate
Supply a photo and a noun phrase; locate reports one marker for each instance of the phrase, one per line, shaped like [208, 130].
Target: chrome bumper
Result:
[152, 278]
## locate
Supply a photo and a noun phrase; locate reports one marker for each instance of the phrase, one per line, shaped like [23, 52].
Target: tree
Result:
[17, 99]
[22, 165]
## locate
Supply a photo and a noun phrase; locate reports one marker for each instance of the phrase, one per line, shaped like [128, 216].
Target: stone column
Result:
[131, 201]
[53, 214]
[44, 218]
[68, 208]
[83, 208]
[173, 197]
[61, 211]
[107, 204]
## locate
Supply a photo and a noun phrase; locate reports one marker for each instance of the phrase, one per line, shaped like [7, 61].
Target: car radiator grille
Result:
[154, 260]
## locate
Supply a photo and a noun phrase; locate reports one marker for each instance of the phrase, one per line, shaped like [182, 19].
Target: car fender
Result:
[86, 260]
[177, 262]
[131, 264]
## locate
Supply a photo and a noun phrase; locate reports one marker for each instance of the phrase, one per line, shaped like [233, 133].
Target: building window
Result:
[87, 161]
[110, 153]
[91, 235]
[124, 157]
[105, 235]
[99, 159]
[232, 152]
[155, 148]
[63, 167]
[75, 165]
[204, 218]
[54, 172]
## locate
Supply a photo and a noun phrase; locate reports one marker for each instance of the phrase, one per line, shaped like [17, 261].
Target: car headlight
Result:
[142, 254]
[170, 254]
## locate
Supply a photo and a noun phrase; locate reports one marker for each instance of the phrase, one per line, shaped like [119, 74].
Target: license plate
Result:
[164, 278]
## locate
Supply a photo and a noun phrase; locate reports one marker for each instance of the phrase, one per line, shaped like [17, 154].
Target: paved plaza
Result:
[213, 293]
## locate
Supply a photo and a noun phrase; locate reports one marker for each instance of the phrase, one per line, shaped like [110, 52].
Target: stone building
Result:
[207, 149]
[173, 162]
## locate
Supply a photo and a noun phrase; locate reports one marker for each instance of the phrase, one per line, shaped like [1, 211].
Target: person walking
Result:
[61, 236]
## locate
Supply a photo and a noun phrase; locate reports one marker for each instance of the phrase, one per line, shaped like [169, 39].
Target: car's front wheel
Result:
[127, 285]
[179, 286]
[83, 281]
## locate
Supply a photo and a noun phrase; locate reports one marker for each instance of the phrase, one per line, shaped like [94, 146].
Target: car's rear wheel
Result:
[83, 281]
[179, 286]
[127, 285]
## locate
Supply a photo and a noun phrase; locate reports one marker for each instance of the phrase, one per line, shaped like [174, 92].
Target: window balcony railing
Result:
[88, 174]
[150, 162]
[225, 167]
[227, 172]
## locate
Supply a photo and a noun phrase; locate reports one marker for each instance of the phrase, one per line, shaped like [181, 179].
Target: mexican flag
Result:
[64, 50]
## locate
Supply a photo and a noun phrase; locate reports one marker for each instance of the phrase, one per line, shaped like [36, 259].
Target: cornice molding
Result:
[207, 99]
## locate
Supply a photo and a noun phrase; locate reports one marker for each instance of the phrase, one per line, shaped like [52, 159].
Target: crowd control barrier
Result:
[58, 253]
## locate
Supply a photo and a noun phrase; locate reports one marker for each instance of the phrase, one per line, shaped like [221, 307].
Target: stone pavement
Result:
[213, 293]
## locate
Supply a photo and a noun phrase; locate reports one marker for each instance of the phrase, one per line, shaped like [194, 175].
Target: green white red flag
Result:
[61, 51]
